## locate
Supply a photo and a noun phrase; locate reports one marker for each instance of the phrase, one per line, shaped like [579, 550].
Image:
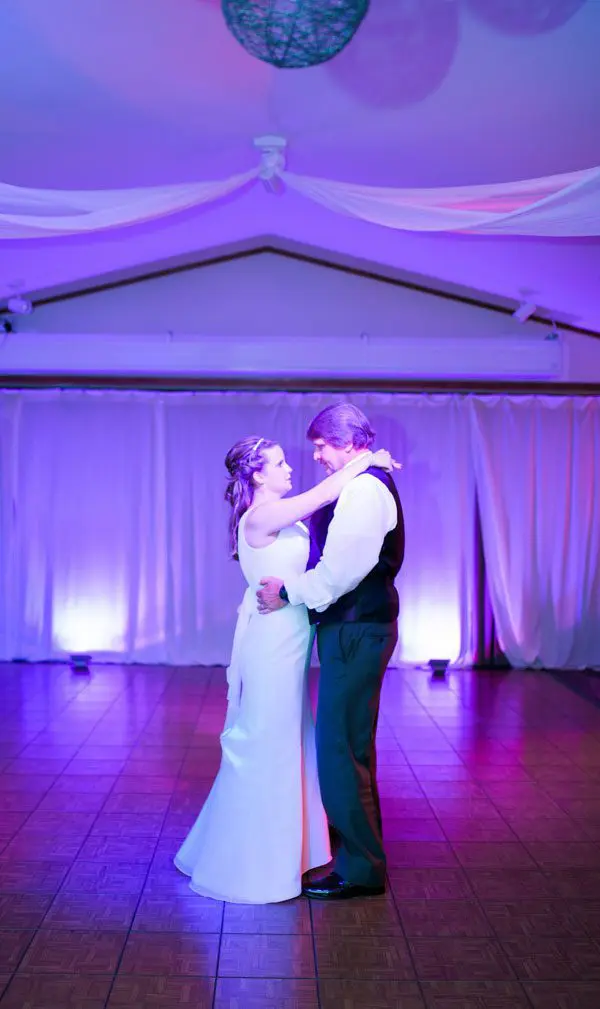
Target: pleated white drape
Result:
[113, 524]
[537, 463]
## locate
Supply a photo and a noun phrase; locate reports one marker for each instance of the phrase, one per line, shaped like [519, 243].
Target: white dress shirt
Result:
[364, 514]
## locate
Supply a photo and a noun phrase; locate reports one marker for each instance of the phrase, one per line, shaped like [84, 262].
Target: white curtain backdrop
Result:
[537, 463]
[114, 527]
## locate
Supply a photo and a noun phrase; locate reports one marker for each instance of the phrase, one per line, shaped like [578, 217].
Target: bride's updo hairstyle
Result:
[246, 458]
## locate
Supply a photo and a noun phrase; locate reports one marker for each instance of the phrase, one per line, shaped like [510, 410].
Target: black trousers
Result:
[353, 657]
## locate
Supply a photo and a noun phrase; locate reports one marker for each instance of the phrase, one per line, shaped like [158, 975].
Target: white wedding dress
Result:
[263, 823]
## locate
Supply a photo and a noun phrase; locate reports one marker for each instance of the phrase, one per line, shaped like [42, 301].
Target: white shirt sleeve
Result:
[365, 513]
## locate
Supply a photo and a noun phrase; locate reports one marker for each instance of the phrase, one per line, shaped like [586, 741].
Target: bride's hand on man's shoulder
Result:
[384, 460]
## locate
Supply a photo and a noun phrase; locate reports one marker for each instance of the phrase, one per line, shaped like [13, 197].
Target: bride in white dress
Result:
[263, 824]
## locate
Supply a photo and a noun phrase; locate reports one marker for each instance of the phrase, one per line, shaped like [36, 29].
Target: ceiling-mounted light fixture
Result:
[272, 161]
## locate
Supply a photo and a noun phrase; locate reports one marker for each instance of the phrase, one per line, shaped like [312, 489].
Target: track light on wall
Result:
[524, 311]
[18, 305]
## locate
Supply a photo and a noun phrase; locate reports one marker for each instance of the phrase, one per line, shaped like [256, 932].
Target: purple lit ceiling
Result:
[120, 93]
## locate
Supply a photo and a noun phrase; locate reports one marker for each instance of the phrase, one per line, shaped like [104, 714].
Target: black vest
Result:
[375, 599]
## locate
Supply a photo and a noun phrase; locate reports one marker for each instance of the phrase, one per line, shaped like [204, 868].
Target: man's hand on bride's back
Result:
[383, 460]
[268, 598]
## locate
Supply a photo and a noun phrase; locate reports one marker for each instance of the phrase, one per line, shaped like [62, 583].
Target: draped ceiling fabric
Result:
[565, 205]
[113, 524]
[561, 205]
[38, 213]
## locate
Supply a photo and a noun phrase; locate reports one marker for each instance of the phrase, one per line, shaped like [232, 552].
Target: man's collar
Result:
[354, 457]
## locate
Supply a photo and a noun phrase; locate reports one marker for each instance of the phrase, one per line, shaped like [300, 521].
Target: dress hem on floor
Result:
[205, 892]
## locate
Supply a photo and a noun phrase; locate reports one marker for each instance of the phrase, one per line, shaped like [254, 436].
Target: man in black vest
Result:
[356, 551]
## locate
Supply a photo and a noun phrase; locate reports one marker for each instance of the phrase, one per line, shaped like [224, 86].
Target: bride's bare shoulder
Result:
[250, 517]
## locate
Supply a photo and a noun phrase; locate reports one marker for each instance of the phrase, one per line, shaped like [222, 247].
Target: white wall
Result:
[275, 297]
[266, 295]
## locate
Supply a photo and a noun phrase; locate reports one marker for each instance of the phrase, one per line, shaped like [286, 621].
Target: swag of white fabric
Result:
[39, 213]
[556, 206]
[566, 205]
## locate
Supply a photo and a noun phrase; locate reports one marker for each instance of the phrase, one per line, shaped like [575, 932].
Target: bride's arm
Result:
[272, 516]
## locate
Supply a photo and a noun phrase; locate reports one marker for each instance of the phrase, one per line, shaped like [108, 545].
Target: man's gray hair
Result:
[340, 425]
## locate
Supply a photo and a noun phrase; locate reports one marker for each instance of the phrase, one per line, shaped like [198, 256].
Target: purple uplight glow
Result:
[91, 621]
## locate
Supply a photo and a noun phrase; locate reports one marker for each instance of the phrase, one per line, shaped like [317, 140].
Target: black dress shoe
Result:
[333, 887]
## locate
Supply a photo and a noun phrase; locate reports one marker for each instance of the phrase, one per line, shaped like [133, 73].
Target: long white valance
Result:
[564, 206]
